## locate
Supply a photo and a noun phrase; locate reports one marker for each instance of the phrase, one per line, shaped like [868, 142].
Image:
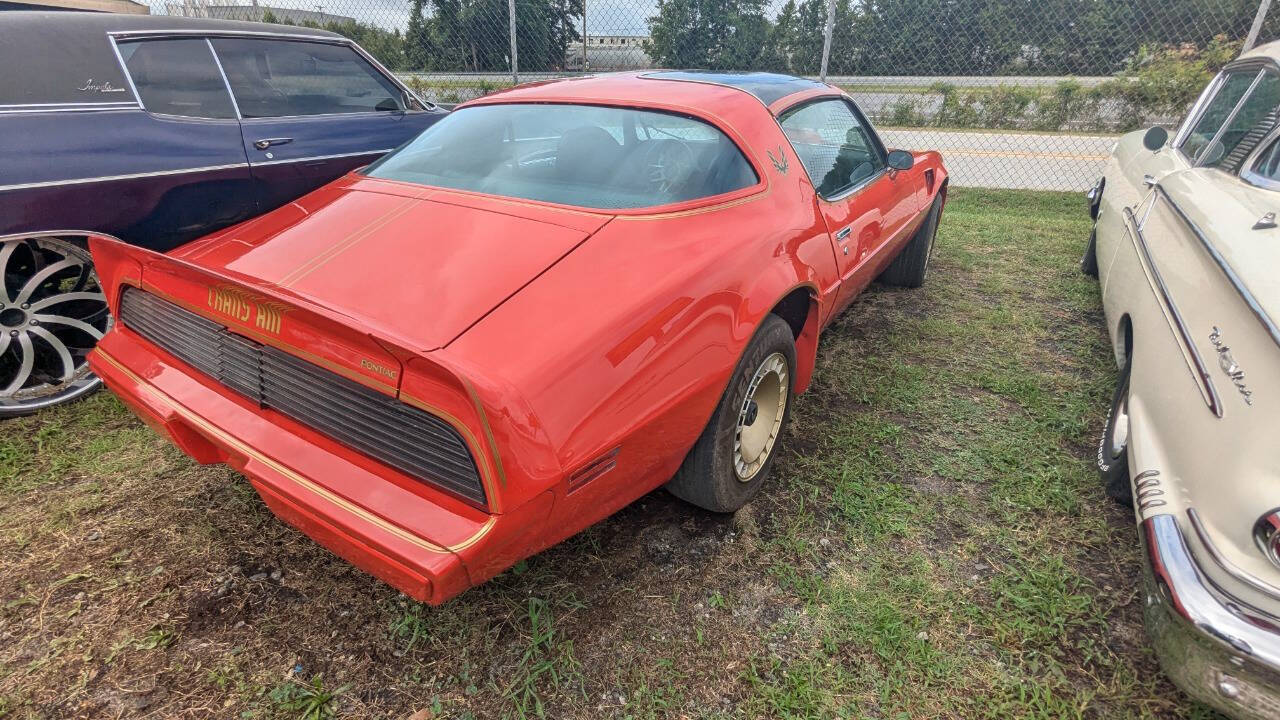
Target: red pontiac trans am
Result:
[551, 302]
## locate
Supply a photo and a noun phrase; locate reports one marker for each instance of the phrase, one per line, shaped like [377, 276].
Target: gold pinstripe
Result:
[320, 259]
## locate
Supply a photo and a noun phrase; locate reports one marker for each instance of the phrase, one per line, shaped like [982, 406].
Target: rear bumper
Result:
[324, 490]
[1215, 648]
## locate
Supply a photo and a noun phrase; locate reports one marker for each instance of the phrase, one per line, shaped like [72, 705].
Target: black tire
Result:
[1113, 461]
[711, 476]
[1089, 261]
[911, 266]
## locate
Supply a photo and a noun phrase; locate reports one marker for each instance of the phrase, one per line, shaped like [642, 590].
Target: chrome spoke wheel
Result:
[52, 312]
[760, 417]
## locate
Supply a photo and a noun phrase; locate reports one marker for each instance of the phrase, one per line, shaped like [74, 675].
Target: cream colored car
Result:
[1187, 251]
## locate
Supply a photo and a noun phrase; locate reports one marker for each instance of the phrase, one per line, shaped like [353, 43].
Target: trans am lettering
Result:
[239, 305]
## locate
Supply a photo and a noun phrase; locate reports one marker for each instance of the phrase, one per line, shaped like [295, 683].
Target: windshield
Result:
[586, 156]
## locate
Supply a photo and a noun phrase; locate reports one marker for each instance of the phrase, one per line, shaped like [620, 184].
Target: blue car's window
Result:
[278, 78]
[177, 77]
[586, 156]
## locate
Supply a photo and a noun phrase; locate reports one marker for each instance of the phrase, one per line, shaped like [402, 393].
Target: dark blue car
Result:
[157, 130]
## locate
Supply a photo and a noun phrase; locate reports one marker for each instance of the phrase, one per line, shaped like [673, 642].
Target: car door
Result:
[866, 206]
[310, 111]
[191, 137]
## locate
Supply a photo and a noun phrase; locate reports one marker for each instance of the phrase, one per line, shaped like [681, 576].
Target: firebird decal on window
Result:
[780, 162]
[239, 305]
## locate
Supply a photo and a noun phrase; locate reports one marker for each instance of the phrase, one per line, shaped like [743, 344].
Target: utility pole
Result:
[1257, 25]
[515, 63]
[826, 37]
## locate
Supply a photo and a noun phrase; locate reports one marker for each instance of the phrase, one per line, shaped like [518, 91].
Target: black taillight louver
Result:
[410, 440]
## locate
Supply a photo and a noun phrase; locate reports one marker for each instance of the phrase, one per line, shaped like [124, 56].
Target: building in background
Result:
[115, 6]
[609, 52]
[253, 12]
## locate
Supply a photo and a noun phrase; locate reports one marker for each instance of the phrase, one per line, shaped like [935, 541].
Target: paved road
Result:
[1030, 161]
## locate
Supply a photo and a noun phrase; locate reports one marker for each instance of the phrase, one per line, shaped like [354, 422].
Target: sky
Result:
[606, 17]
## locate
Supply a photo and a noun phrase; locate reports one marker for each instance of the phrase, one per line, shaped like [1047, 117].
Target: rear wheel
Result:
[1113, 446]
[52, 312]
[911, 266]
[735, 453]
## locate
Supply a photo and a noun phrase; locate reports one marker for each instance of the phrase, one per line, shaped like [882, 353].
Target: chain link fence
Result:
[1014, 93]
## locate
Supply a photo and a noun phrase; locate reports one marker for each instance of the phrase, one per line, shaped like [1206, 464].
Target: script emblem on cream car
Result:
[1229, 366]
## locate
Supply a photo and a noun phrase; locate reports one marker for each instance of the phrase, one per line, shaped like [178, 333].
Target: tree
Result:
[708, 34]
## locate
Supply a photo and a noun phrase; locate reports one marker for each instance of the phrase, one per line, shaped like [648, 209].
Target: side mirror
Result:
[1155, 138]
[901, 160]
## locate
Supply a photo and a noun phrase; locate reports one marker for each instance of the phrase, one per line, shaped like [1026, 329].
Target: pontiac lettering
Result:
[380, 369]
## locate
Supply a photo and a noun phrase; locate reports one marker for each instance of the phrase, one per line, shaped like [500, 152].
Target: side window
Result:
[177, 77]
[1257, 111]
[1265, 171]
[279, 78]
[1230, 114]
[837, 150]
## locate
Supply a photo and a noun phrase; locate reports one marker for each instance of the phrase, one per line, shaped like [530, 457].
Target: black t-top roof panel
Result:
[768, 87]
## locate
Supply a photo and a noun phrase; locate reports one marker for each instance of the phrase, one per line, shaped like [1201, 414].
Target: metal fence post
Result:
[584, 35]
[515, 62]
[1257, 24]
[826, 37]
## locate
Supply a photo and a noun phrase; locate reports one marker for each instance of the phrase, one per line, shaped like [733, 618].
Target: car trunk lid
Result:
[416, 265]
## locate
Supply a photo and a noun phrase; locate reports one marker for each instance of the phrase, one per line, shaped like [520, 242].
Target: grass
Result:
[933, 544]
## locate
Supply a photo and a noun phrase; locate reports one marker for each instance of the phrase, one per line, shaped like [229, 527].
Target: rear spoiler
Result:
[259, 311]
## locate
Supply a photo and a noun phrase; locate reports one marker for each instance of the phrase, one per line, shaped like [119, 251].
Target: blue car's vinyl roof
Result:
[768, 87]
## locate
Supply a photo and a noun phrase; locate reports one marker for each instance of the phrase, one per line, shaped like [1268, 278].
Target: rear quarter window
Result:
[177, 77]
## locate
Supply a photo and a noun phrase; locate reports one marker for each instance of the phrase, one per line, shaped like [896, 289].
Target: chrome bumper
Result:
[1216, 649]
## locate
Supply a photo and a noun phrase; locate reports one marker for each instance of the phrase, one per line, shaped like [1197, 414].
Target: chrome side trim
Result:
[1197, 367]
[210, 32]
[1254, 306]
[322, 157]
[108, 178]
[1221, 560]
[67, 107]
[854, 188]
[217, 61]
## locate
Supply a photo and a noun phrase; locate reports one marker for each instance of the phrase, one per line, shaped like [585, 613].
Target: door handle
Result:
[842, 234]
[265, 143]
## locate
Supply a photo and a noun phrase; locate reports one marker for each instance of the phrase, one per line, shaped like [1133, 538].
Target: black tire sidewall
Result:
[1115, 470]
[708, 478]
